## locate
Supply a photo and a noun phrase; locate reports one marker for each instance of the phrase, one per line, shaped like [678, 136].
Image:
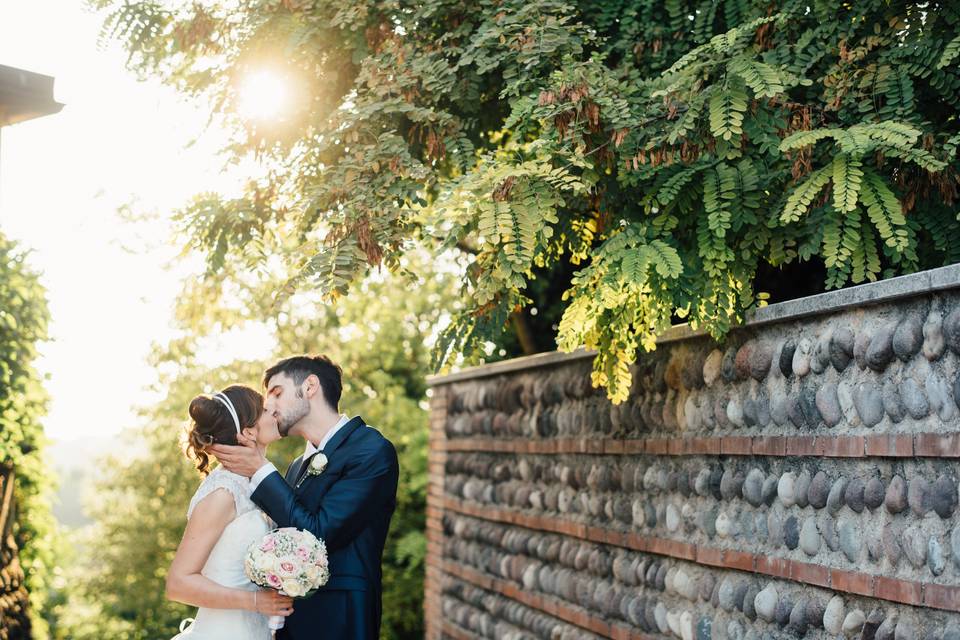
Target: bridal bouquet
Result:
[290, 560]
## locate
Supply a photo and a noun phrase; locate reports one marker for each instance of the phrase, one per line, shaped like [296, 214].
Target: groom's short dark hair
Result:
[300, 367]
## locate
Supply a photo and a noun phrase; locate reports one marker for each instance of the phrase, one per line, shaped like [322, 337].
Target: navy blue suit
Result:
[349, 507]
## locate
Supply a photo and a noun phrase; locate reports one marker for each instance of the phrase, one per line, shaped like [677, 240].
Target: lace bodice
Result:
[220, 478]
[225, 562]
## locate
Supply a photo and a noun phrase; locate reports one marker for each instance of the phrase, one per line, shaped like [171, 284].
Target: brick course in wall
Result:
[800, 477]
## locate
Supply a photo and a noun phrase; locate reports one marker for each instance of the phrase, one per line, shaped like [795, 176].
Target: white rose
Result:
[293, 588]
[267, 563]
[318, 464]
[312, 573]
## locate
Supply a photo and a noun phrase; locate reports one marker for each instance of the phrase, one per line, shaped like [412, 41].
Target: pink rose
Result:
[286, 567]
[302, 553]
[274, 581]
[268, 544]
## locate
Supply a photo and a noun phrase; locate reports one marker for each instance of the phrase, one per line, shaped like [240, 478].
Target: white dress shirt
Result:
[308, 451]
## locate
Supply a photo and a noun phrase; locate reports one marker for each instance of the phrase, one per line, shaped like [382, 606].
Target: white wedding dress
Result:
[225, 564]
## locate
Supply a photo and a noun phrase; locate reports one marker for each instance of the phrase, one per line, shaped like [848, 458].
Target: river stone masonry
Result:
[801, 478]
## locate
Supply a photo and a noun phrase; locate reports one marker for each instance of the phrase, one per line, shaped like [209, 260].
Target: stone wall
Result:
[14, 620]
[799, 479]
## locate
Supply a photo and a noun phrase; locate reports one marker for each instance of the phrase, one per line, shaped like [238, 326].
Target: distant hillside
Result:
[74, 462]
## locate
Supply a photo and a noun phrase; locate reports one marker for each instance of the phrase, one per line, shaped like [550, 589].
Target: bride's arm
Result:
[186, 584]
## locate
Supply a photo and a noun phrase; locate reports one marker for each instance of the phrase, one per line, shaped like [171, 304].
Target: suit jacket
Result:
[349, 507]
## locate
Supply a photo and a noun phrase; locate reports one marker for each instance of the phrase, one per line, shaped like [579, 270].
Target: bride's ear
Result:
[248, 435]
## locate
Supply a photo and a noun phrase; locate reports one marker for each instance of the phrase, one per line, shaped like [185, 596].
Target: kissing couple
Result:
[342, 490]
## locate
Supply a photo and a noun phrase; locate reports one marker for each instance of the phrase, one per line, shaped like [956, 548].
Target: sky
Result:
[63, 181]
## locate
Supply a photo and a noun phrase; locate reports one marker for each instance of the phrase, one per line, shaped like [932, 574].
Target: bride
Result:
[222, 522]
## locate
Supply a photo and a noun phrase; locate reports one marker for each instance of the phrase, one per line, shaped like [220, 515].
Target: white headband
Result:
[222, 397]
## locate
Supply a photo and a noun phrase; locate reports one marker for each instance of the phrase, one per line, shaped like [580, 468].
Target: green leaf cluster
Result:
[530, 134]
[23, 403]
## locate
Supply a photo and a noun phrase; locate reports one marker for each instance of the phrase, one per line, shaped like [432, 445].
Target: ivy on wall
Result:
[23, 325]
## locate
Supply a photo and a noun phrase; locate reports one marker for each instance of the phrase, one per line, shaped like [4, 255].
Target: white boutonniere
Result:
[317, 464]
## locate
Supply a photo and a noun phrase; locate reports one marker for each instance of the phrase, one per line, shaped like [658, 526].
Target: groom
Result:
[342, 489]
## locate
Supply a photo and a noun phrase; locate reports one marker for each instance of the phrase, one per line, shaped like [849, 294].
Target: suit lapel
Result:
[341, 436]
[338, 438]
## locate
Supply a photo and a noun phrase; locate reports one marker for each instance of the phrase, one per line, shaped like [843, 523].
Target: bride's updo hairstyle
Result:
[213, 424]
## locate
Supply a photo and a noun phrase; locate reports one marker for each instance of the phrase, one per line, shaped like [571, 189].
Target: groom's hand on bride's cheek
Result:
[243, 460]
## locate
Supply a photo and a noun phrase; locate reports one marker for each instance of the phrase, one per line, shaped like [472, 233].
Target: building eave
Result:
[25, 95]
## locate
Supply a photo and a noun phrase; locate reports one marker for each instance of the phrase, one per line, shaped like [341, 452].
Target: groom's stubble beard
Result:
[287, 420]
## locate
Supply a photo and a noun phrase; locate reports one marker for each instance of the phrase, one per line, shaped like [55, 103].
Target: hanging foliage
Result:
[666, 148]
